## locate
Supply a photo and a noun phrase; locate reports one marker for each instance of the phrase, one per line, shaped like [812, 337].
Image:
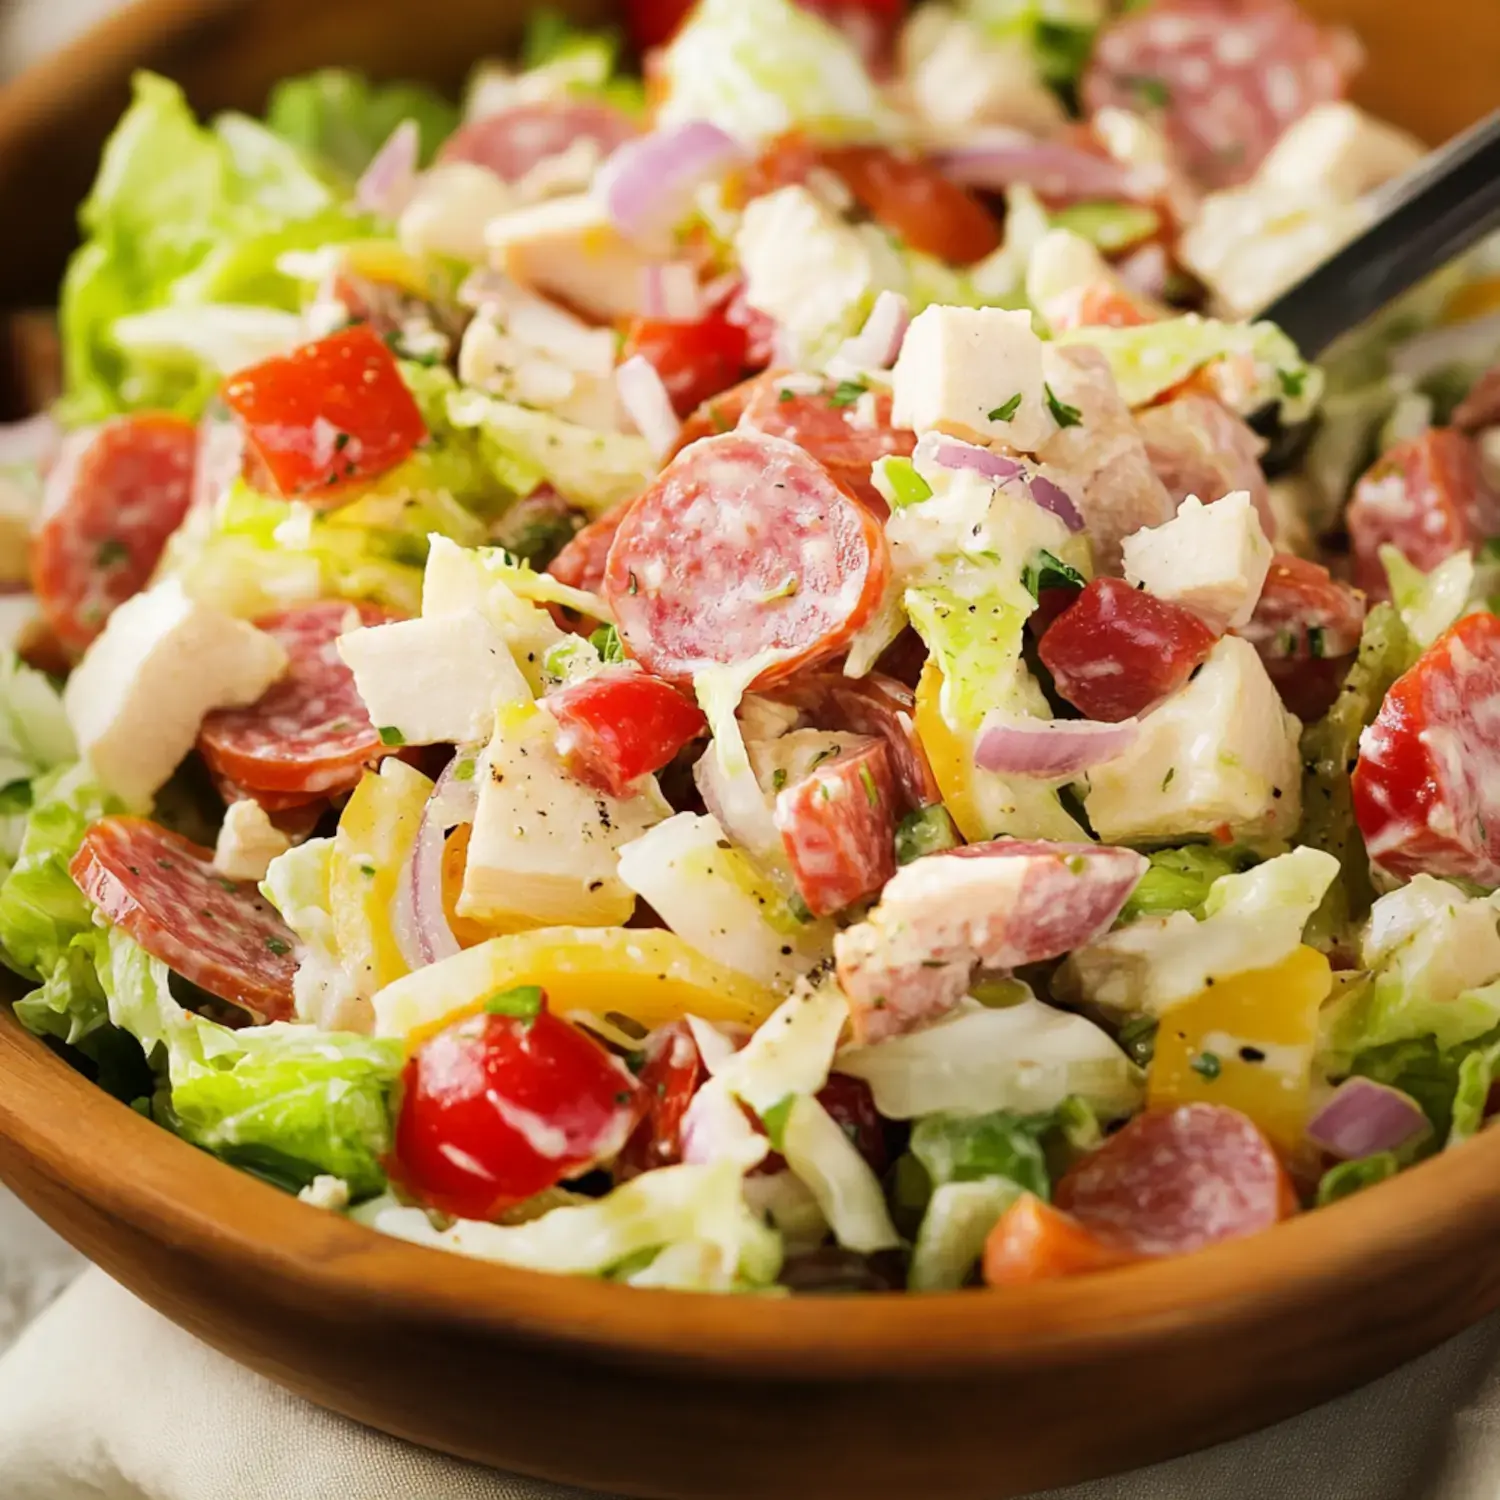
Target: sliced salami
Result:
[163, 890]
[1199, 447]
[671, 1073]
[115, 495]
[310, 734]
[1427, 783]
[581, 562]
[1306, 628]
[1116, 651]
[878, 706]
[994, 906]
[838, 827]
[844, 428]
[513, 141]
[1177, 1180]
[1224, 77]
[1427, 498]
[744, 548]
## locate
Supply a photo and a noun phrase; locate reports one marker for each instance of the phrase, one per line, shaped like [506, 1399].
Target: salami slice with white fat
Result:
[308, 734]
[875, 705]
[993, 906]
[513, 141]
[114, 496]
[581, 562]
[1427, 782]
[1177, 1180]
[1224, 77]
[744, 548]
[838, 827]
[219, 934]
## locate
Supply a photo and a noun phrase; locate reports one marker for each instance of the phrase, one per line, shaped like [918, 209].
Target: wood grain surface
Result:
[974, 1394]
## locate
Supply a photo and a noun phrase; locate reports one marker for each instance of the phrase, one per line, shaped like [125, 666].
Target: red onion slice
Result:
[647, 403]
[387, 185]
[1054, 498]
[1057, 172]
[418, 920]
[647, 184]
[35, 442]
[877, 344]
[1049, 749]
[955, 455]
[1364, 1117]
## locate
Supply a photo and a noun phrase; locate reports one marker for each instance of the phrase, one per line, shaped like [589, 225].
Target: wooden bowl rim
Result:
[180, 1195]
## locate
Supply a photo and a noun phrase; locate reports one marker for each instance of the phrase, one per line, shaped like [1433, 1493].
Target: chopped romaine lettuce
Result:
[183, 216]
[1110, 226]
[759, 68]
[972, 1148]
[343, 119]
[951, 1238]
[1180, 880]
[842, 1182]
[1154, 357]
[1429, 602]
[1059, 33]
[1351, 1177]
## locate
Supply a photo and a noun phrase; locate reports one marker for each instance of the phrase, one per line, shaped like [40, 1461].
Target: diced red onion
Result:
[647, 185]
[980, 460]
[670, 292]
[877, 344]
[1054, 498]
[418, 919]
[646, 402]
[34, 441]
[1363, 1117]
[1146, 271]
[1051, 749]
[1058, 172]
[387, 185]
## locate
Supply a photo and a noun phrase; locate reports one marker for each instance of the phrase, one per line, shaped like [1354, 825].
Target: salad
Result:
[696, 678]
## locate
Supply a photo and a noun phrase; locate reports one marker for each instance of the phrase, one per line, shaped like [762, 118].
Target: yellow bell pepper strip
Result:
[375, 836]
[648, 974]
[1247, 1042]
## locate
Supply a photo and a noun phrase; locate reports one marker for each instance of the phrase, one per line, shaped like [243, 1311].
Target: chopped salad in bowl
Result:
[696, 678]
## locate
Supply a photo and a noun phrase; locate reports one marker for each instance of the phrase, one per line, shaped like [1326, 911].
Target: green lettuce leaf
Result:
[289, 1102]
[1180, 880]
[1351, 1177]
[974, 1148]
[343, 119]
[183, 216]
[1059, 33]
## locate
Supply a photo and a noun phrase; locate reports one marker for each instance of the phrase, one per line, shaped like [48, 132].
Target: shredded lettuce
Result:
[1180, 880]
[759, 68]
[841, 1181]
[1154, 357]
[1351, 1177]
[343, 119]
[951, 1237]
[187, 217]
[1058, 33]
[700, 1205]
[1429, 602]
[972, 1148]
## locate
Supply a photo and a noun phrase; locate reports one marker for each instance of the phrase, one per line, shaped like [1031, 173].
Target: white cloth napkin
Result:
[102, 1399]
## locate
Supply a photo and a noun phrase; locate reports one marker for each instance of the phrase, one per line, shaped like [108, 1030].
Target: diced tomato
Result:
[1118, 651]
[838, 827]
[325, 416]
[905, 193]
[694, 360]
[500, 1106]
[1427, 498]
[1032, 1241]
[671, 1074]
[1427, 784]
[1306, 628]
[832, 425]
[621, 725]
[1104, 305]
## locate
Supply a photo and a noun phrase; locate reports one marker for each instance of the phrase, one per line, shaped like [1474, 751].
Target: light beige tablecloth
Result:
[101, 1399]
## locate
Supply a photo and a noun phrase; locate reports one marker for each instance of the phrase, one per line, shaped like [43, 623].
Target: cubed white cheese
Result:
[436, 680]
[327, 1192]
[816, 275]
[140, 693]
[449, 210]
[964, 79]
[545, 848]
[1219, 754]
[712, 896]
[569, 248]
[248, 842]
[1211, 559]
[1338, 150]
[962, 367]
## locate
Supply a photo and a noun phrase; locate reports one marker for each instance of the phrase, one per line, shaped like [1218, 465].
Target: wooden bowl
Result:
[976, 1394]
